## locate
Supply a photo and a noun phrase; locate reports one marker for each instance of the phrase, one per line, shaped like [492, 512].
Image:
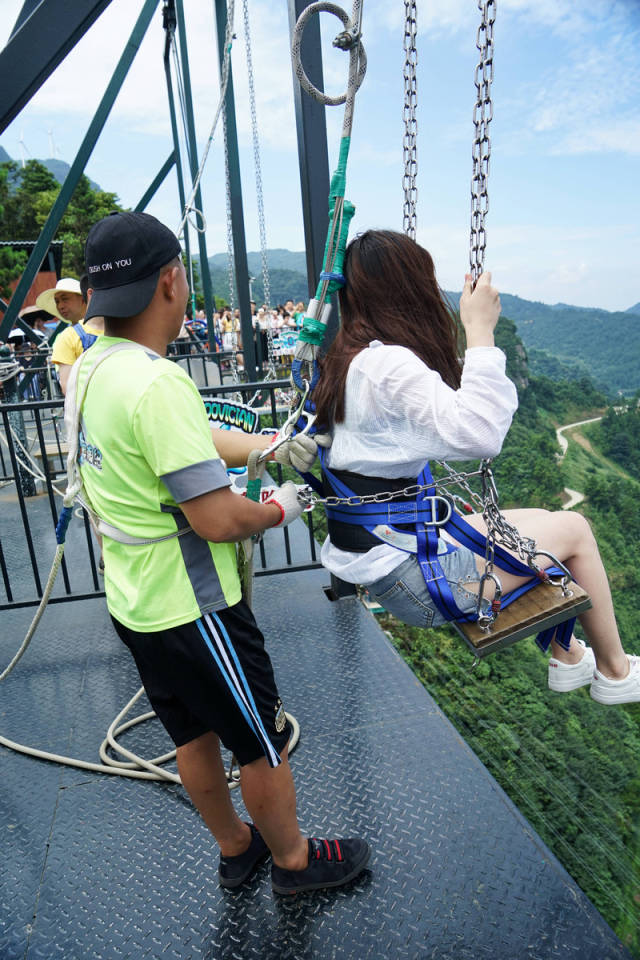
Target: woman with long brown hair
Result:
[395, 394]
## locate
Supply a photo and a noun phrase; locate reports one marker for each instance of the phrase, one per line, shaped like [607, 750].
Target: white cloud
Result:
[587, 101]
[575, 92]
[79, 82]
[548, 263]
[620, 135]
[569, 274]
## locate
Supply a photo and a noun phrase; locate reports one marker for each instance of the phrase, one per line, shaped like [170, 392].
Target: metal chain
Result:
[481, 151]
[258, 176]
[356, 501]
[410, 139]
[385, 496]
[498, 527]
[231, 263]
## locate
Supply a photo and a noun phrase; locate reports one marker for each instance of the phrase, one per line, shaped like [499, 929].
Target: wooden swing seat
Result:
[540, 608]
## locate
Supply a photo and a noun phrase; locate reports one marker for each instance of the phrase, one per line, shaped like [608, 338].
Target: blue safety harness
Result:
[427, 515]
[87, 339]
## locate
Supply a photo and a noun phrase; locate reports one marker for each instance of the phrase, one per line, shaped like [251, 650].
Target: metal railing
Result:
[33, 478]
[209, 369]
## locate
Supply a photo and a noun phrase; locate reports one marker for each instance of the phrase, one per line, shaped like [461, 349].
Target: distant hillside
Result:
[287, 276]
[608, 344]
[277, 259]
[543, 364]
[59, 168]
[565, 342]
[603, 344]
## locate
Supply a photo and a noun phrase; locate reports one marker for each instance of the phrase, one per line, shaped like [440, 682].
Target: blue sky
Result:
[564, 221]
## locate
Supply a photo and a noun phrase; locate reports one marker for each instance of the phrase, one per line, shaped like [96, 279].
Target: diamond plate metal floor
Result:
[100, 867]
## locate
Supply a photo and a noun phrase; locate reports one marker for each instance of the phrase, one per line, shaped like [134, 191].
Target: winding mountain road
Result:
[575, 497]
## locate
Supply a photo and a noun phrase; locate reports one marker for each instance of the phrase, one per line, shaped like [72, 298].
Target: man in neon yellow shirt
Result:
[150, 469]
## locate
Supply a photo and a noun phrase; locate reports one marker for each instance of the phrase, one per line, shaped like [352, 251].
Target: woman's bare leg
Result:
[568, 537]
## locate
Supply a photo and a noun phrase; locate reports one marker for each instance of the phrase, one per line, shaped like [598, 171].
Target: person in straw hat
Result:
[68, 301]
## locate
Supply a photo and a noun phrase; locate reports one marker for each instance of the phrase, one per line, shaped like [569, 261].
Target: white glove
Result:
[286, 497]
[300, 451]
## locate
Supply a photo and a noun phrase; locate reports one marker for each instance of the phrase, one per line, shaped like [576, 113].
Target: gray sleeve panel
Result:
[196, 479]
[199, 565]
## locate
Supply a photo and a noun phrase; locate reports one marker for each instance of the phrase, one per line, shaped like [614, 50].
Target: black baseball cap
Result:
[123, 255]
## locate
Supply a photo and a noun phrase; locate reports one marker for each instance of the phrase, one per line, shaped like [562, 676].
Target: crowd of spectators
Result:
[275, 333]
[32, 354]
[280, 324]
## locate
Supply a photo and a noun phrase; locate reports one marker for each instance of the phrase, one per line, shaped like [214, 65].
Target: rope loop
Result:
[194, 220]
[357, 55]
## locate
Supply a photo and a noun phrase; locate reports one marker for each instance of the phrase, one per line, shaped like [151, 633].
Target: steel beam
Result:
[43, 35]
[313, 154]
[170, 23]
[313, 161]
[237, 213]
[193, 156]
[77, 167]
[157, 182]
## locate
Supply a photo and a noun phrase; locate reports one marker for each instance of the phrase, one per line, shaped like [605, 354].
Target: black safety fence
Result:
[33, 452]
[37, 377]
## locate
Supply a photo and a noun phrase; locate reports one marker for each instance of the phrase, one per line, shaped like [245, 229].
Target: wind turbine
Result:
[23, 148]
[53, 149]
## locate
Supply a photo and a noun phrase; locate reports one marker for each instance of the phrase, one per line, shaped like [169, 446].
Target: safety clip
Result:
[285, 432]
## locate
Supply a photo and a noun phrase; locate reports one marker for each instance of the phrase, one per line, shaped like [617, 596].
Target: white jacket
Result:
[399, 414]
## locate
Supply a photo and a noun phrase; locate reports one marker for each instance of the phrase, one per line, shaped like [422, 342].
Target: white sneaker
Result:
[618, 691]
[570, 676]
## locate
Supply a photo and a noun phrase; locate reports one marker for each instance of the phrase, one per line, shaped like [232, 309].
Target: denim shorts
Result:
[404, 593]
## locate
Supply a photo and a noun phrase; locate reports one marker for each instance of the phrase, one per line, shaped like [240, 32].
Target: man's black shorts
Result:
[213, 674]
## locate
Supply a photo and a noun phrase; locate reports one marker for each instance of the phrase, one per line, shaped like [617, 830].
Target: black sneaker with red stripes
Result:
[331, 863]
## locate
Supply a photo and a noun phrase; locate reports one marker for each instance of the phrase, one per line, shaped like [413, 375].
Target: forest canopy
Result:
[27, 195]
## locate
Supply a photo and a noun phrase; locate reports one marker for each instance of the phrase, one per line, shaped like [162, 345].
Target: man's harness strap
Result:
[75, 488]
[427, 515]
[86, 339]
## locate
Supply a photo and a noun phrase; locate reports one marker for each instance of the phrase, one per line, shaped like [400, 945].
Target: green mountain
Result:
[589, 337]
[562, 341]
[287, 276]
[584, 341]
[59, 168]
[277, 259]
